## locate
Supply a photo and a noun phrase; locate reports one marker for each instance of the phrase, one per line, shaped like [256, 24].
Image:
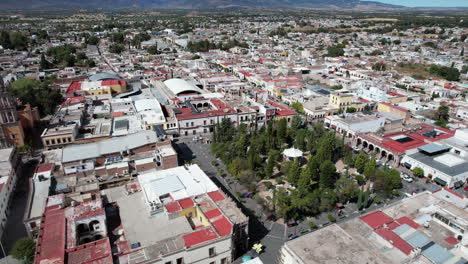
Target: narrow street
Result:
[14, 228]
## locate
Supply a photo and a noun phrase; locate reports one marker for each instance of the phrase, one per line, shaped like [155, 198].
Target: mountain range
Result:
[189, 4]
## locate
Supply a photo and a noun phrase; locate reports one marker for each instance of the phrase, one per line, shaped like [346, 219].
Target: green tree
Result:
[294, 173]
[327, 174]
[36, 93]
[346, 190]
[369, 168]
[92, 40]
[298, 107]
[335, 51]
[44, 64]
[418, 172]
[23, 250]
[116, 48]
[360, 162]
[351, 109]
[153, 50]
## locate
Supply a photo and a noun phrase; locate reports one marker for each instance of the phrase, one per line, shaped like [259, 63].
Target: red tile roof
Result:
[74, 86]
[51, 241]
[97, 252]
[213, 213]
[172, 207]
[113, 82]
[216, 196]
[199, 237]
[376, 219]
[186, 203]
[406, 220]
[283, 111]
[396, 240]
[223, 226]
[44, 167]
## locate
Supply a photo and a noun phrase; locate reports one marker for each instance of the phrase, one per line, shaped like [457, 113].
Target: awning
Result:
[440, 181]
[458, 184]
[407, 165]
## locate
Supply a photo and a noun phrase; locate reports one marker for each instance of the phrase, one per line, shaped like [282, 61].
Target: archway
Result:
[199, 105]
[205, 105]
[371, 147]
[82, 228]
[365, 144]
[359, 142]
[384, 154]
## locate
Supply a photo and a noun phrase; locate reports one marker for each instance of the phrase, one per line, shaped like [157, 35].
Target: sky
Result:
[427, 3]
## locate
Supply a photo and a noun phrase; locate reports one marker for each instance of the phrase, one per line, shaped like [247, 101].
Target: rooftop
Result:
[108, 146]
[390, 235]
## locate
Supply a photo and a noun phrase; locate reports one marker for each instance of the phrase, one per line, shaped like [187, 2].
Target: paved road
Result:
[272, 235]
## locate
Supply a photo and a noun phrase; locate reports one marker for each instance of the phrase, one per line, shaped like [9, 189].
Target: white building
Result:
[9, 165]
[439, 164]
[355, 123]
[178, 216]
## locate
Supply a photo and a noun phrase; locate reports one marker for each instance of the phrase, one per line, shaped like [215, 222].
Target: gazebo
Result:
[292, 153]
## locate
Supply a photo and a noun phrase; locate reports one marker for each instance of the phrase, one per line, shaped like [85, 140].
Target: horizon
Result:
[424, 3]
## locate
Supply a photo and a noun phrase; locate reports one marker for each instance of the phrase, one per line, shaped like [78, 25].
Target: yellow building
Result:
[341, 100]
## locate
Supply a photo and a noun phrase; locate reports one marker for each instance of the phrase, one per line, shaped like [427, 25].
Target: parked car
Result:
[406, 177]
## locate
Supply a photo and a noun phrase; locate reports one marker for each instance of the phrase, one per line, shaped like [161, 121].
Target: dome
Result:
[179, 86]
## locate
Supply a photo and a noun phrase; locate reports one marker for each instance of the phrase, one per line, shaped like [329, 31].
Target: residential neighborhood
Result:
[235, 136]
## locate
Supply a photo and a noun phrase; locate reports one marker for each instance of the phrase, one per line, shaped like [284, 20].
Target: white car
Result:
[406, 177]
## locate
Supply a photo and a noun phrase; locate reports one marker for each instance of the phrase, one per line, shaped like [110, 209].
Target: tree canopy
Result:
[23, 250]
[36, 93]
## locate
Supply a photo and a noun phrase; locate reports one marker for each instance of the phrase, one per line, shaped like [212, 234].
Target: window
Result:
[194, 132]
[457, 152]
[213, 262]
[186, 124]
[47, 142]
[224, 261]
[180, 261]
[204, 122]
[191, 123]
[212, 252]
[168, 262]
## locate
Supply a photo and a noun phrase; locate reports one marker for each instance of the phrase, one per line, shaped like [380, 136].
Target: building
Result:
[344, 100]
[11, 132]
[393, 109]
[177, 216]
[73, 231]
[39, 185]
[89, 87]
[10, 168]
[439, 164]
[351, 124]
[391, 147]
[119, 150]
[425, 228]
